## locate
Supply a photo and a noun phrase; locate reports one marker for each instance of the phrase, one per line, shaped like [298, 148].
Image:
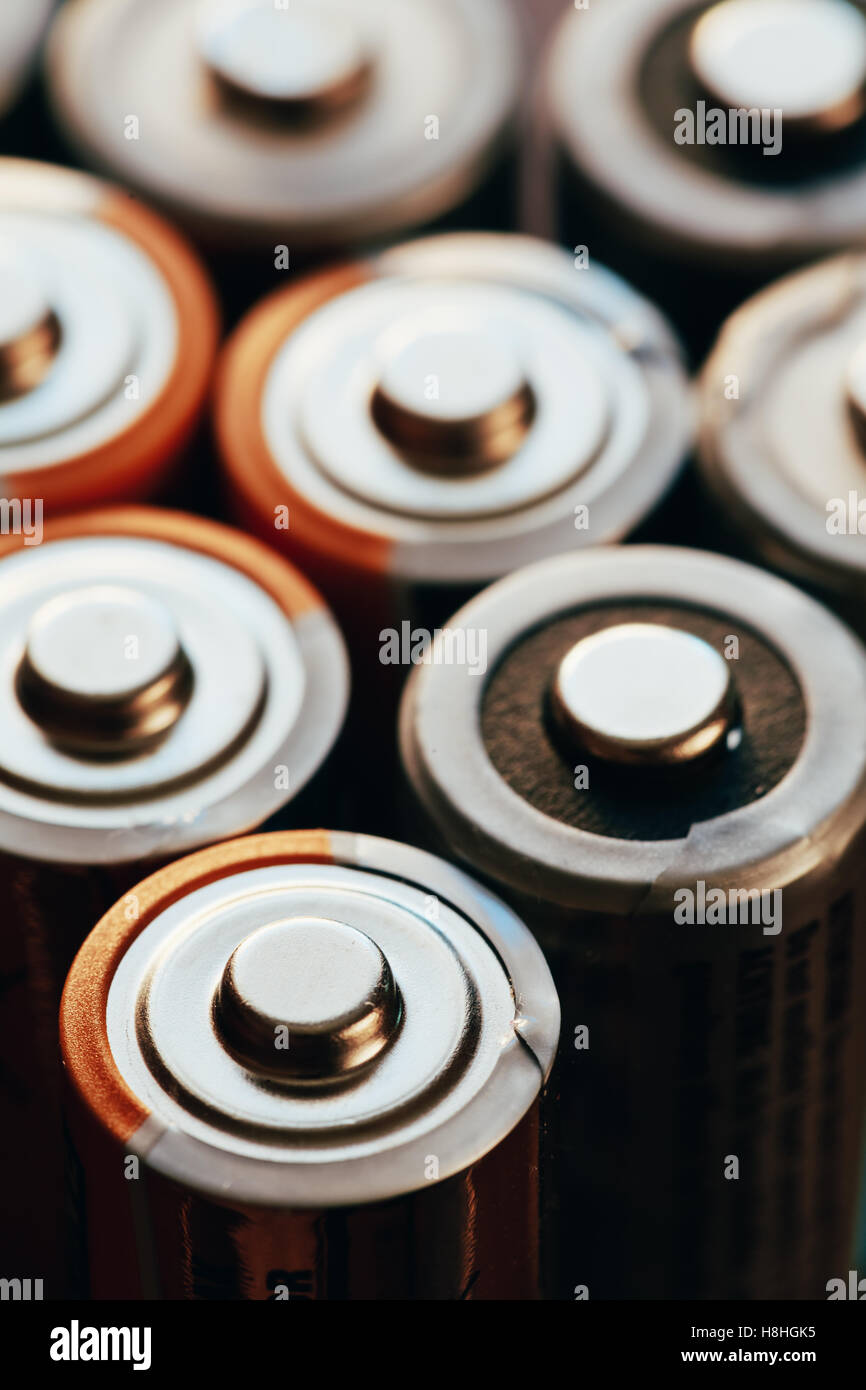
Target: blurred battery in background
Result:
[706, 148]
[783, 432]
[410, 426]
[293, 130]
[166, 683]
[659, 726]
[331, 1086]
[108, 331]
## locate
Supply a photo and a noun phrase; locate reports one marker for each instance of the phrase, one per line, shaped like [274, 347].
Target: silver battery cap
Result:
[804, 58]
[643, 695]
[470, 401]
[103, 671]
[815, 810]
[782, 410]
[324, 1030]
[155, 696]
[403, 109]
[305, 58]
[108, 328]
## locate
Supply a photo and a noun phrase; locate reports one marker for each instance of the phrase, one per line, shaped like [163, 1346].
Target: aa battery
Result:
[411, 426]
[309, 1068]
[783, 432]
[706, 148]
[108, 332]
[296, 128]
[166, 683]
[665, 773]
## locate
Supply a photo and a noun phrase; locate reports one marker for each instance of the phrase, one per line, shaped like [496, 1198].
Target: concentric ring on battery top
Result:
[615, 333]
[24, 303]
[806, 58]
[786, 452]
[317, 400]
[161, 805]
[117, 320]
[212, 608]
[409, 1132]
[190, 945]
[416, 141]
[770, 840]
[477, 1036]
[133, 361]
[649, 186]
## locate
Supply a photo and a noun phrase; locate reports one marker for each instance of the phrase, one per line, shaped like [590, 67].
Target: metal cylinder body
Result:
[167, 683]
[331, 1089]
[664, 772]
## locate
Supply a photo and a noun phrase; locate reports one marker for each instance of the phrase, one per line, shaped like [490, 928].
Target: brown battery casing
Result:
[470, 1234]
[709, 1095]
[58, 870]
[72, 439]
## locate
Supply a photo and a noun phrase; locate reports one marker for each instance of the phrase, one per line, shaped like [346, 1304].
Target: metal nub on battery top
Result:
[164, 682]
[805, 58]
[454, 400]
[320, 988]
[29, 330]
[103, 670]
[643, 694]
[305, 60]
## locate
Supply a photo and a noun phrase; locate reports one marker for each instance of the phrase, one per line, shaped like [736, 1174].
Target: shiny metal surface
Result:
[654, 191]
[789, 449]
[452, 399]
[784, 834]
[610, 412]
[103, 671]
[308, 57]
[806, 58]
[322, 430]
[306, 1000]
[475, 1039]
[641, 694]
[115, 340]
[223, 692]
[29, 330]
[377, 168]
